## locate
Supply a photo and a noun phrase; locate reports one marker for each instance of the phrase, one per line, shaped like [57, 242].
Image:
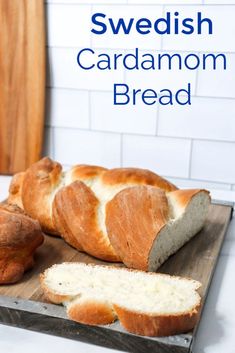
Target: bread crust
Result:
[39, 182]
[15, 190]
[16, 228]
[50, 295]
[75, 215]
[91, 312]
[157, 325]
[136, 176]
[63, 211]
[19, 237]
[133, 219]
[87, 311]
[184, 196]
[84, 172]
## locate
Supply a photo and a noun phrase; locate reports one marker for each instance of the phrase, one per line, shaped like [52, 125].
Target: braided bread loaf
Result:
[126, 214]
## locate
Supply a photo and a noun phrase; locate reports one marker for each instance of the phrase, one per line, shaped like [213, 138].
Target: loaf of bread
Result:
[125, 214]
[20, 236]
[145, 303]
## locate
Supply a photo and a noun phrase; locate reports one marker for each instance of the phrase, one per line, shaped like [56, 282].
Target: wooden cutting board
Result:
[22, 83]
[24, 305]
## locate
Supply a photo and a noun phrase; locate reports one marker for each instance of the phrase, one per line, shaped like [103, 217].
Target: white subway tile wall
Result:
[74, 146]
[213, 158]
[166, 156]
[68, 108]
[219, 83]
[64, 27]
[205, 118]
[65, 73]
[193, 146]
[133, 119]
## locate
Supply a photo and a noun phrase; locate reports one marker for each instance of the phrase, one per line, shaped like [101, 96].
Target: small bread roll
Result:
[20, 235]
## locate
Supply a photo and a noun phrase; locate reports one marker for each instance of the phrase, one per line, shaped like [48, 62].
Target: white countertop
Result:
[217, 325]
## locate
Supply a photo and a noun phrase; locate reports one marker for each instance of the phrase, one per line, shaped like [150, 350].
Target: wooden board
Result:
[23, 304]
[22, 85]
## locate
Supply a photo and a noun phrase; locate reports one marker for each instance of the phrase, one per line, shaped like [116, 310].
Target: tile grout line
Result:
[151, 50]
[188, 138]
[201, 180]
[109, 91]
[138, 4]
[184, 179]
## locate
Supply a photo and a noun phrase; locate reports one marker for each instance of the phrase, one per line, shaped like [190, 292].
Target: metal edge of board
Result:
[43, 317]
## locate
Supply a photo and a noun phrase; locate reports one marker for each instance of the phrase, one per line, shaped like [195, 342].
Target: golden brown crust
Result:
[184, 196]
[19, 237]
[50, 295]
[39, 184]
[157, 325]
[83, 171]
[91, 312]
[15, 190]
[75, 215]
[133, 219]
[136, 176]
[16, 228]
[64, 215]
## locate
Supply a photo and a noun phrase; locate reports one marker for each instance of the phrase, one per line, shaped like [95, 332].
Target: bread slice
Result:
[147, 304]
